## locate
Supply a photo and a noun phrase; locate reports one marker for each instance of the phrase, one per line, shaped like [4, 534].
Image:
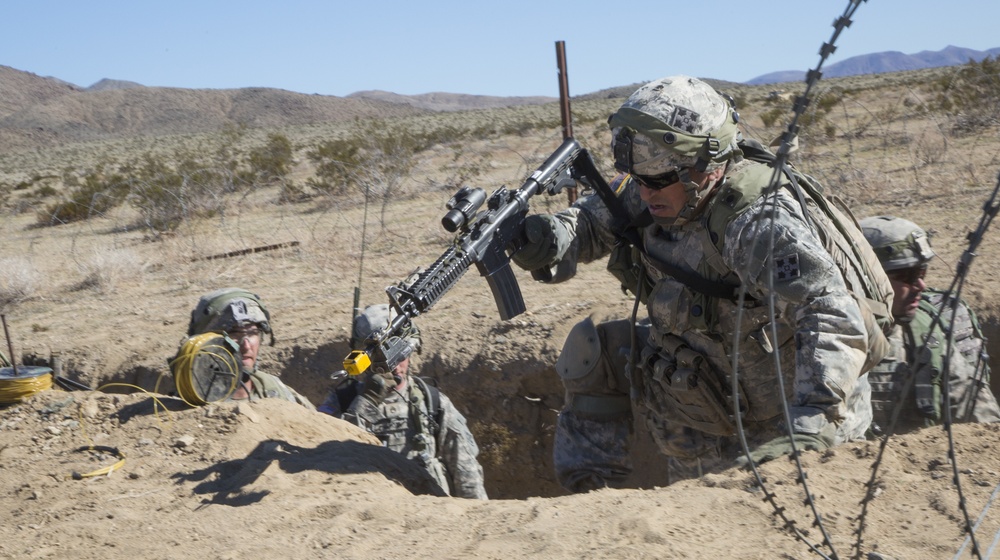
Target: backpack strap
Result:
[433, 399]
[929, 361]
[734, 196]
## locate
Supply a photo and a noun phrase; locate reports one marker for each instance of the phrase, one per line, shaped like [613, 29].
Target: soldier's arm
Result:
[812, 297]
[458, 451]
[579, 234]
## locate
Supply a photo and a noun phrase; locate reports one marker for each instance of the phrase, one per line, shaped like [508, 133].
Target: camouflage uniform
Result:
[821, 337]
[436, 437]
[228, 308]
[267, 386]
[902, 245]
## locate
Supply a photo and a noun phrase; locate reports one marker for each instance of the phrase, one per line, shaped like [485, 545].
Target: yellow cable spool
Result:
[206, 369]
[28, 381]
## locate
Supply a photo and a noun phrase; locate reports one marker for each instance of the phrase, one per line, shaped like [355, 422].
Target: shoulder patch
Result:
[786, 268]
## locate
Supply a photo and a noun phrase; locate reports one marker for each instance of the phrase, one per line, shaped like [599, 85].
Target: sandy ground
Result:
[271, 479]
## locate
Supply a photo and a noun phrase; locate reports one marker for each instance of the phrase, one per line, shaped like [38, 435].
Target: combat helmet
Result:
[674, 122]
[376, 317]
[228, 308]
[898, 243]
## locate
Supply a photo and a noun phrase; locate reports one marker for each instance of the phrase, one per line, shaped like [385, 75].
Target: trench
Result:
[511, 408]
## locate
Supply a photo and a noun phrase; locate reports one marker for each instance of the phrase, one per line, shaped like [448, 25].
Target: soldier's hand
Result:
[378, 386]
[537, 241]
[783, 446]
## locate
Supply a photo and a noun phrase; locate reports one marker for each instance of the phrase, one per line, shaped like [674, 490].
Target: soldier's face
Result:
[401, 369]
[248, 339]
[907, 285]
[667, 201]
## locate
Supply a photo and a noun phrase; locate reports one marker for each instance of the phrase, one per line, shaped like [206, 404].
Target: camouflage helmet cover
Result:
[228, 308]
[377, 317]
[672, 123]
[898, 243]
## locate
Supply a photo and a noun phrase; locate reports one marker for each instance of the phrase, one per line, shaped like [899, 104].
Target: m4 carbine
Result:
[486, 239]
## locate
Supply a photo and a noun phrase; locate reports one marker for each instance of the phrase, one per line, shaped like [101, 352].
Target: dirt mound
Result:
[269, 478]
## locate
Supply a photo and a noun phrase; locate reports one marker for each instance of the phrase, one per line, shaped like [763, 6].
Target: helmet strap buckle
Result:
[709, 151]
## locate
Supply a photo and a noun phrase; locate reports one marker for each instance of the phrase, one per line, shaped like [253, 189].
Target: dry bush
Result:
[106, 269]
[19, 281]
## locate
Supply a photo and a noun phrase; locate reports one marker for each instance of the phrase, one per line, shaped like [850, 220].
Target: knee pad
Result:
[588, 375]
[581, 352]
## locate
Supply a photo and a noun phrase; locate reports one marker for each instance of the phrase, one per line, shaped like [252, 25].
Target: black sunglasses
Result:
[661, 181]
[909, 275]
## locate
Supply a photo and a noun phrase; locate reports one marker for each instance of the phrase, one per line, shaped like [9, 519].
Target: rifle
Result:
[486, 239]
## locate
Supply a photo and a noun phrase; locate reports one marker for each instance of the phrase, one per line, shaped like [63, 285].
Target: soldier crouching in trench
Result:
[676, 141]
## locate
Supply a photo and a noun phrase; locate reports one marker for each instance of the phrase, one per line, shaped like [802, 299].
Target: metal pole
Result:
[567, 116]
[10, 345]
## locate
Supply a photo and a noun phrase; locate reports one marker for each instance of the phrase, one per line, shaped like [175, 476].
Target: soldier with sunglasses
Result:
[911, 377]
[711, 244]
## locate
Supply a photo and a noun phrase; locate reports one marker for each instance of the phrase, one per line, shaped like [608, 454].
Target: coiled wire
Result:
[29, 381]
[205, 346]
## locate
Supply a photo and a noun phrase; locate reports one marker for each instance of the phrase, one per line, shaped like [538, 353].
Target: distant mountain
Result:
[107, 84]
[883, 62]
[438, 101]
[36, 111]
[19, 89]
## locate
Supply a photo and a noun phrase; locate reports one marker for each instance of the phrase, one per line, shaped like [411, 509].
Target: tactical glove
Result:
[538, 243]
[783, 446]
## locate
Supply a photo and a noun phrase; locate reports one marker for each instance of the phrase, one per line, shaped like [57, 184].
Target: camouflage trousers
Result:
[595, 429]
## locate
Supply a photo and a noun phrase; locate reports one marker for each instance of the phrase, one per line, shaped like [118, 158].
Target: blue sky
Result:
[461, 46]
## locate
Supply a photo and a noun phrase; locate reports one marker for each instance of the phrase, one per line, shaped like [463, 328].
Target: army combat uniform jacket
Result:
[910, 359]
[438, 440]
[267, 386]
[821, 335]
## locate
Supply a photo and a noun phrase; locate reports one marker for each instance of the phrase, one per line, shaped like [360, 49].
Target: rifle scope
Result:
[462, 207]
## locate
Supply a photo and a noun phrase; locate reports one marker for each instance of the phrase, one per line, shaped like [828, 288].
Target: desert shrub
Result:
[465, 165]
[165, 196]
[774, 116]
[335, 161]
[814, 118]
[18, 281]
[970, 96]
[92, 195]
[106, 269]
[272, 161]
[375, 156]
[45, 191]
[167, 189]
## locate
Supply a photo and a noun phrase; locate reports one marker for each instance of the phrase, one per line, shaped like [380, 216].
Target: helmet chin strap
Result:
[696, 196]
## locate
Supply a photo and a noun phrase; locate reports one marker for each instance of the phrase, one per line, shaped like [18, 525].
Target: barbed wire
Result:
[779, 168]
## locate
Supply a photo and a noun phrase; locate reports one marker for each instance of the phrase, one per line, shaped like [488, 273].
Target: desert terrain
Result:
[109, 297]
